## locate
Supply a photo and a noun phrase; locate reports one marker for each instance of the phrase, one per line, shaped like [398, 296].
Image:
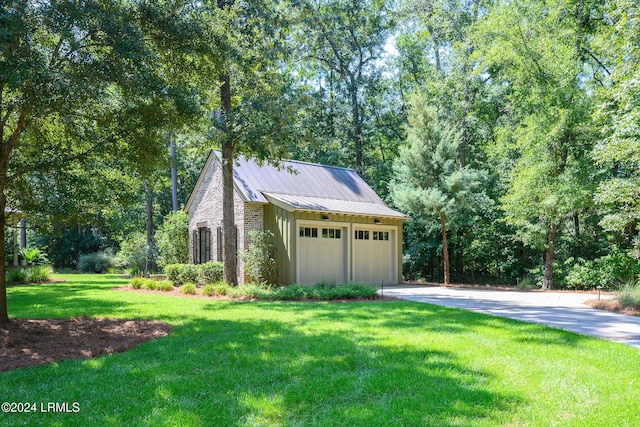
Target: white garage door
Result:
[373, 256]
[321, 254]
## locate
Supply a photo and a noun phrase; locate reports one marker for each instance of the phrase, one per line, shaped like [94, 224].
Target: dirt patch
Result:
[29, 342]
[613, 306]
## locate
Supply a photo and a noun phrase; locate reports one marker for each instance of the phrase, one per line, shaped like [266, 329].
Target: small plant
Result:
[152, 285]
[34, 256]
[188, 289]
[137, 282]
[16, 275]
[164, 286]
[221, 288]
[208, 290]
[38, 273]
[629, 293]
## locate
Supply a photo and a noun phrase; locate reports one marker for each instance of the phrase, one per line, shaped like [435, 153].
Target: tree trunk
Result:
[228, 215]
[357, 125]
[548, 258]
[174, 174]
[150, 264]
[460, 256]
[23, 233]
[4, 314]
[445, 250]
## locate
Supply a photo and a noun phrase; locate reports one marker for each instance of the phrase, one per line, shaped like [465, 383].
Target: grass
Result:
[390, 363]
[629, 294]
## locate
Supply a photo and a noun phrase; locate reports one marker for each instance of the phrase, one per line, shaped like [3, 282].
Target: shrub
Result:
[221, 288]
[34, 256]
[173, 239]
[38, 273]
[188, 273]
[137, 282]
[201, 274]
[188, 289]
[172, 272]
[133, 252]
[164, 285]
[208, 290]
[260, 257]
[98, 262]
[629, 293]
[150, 284]
[291, 293]
[16, 275]
[210, 272]
[607, 271]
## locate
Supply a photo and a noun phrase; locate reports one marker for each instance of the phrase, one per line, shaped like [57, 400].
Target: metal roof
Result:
[304, 186]
[334, 206]
[301, 179]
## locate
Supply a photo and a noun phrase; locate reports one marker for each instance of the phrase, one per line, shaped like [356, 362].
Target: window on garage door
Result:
[309, 232]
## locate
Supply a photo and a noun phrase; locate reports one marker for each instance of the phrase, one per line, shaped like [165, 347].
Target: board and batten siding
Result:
[284, 225]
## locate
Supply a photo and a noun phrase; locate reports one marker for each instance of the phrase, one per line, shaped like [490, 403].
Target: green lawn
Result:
[331, 364]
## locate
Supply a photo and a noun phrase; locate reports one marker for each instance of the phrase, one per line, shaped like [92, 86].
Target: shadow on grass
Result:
[263, 372]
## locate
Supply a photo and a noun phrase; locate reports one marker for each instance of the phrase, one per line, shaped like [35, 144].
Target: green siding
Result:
[283, 225]
[278, 221]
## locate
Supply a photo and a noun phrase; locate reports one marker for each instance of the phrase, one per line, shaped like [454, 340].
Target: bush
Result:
[34, 256]
[172, 271]
[291, 293]
[16, 275]
[133, 253]
[179, 274]
[188, 289]
[164, 285]
[208, 290]
[210, 272]
[38, 274]
[173, 239]
[607, 271]
[137, 282]
[98, 262]
[221, 288]
[260, 257]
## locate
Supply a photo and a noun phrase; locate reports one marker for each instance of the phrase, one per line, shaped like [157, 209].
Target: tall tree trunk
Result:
[548, 258]
[174, 174]
[445, 250]
[460, 256]
[228, 215]
[357, 124]
[23, 233]
[4, 313]
[150, 263]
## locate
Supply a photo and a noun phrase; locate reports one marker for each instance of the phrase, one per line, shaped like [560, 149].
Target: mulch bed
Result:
[29, 342]
[614, 306]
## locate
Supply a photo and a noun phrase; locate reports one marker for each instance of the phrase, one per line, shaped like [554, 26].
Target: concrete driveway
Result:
[562, 310]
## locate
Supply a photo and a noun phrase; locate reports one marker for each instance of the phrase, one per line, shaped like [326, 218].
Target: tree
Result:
[80, 82]
[428, 181]
[536, 54]
[619, 119]
[173, 239]
[256, 113]
[343, 42]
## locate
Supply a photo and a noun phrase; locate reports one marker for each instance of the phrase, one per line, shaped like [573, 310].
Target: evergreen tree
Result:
[428, 181]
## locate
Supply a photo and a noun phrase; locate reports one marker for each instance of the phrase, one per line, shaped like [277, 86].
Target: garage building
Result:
[329, 225]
